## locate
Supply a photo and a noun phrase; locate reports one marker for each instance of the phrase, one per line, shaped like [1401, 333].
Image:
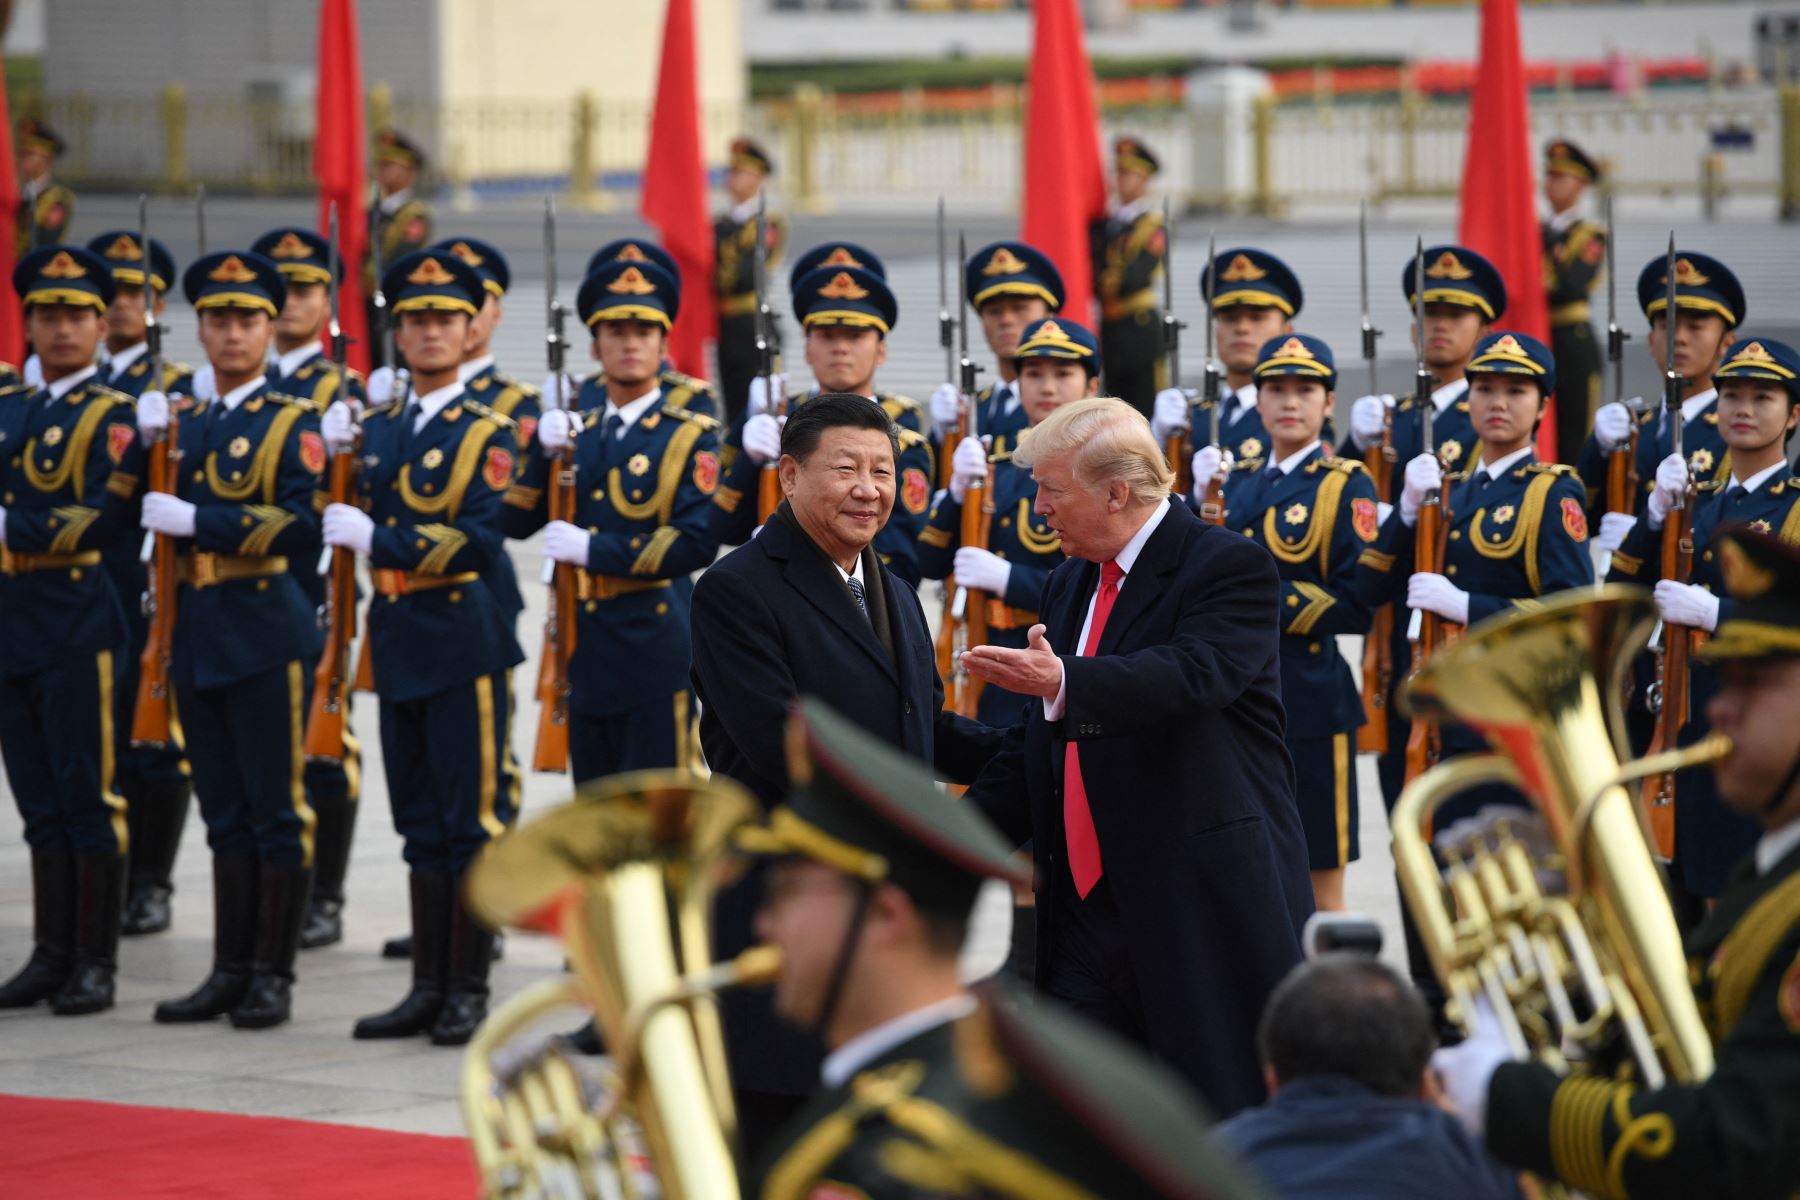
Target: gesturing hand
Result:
[1033, 671]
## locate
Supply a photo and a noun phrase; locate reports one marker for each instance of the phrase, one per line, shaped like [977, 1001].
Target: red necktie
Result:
[1078, 820]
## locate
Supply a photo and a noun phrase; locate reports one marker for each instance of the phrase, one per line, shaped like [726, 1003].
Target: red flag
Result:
[1499, 191]
[1065, 187]
[340, 162]
[12, 317]
[674, 197]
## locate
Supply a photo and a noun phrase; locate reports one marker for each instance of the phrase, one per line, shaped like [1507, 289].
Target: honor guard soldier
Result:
[932, 1089]
[435, 468]
[1129, 245]
[241, 510]
[1315, 513]
[645, 475]
[1256, 297]
[303, 369]
[45, 206]
[1010, 286]
[735, 235]
[826, 254]
[401, 223]
[846, 314]
[1735, 1132]
[1758, 394]
[1058, 363]
[153, 779]
[1574, 256]
[69, 466]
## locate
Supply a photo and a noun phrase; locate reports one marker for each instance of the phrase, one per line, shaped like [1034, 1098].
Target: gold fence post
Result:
[381, 108]
[809, 105]
[1790, 153]
[174, 122]
[581, 153]
[1262, 138]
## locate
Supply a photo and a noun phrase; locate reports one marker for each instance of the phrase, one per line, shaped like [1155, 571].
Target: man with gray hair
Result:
[1153, 781]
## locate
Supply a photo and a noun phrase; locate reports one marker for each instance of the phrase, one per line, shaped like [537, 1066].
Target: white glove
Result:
[1612, 426]
[968, 464]
[1613, 528]
[348, 526]
[1368, 416]
[1170, 416]
[982, 570]
[1434, 593]
[570, 389]
[164, 513]
[555, 432]
[1687, 604]
[1383, 510]
[33, 371]
[1467, 1069]
[1671, 483]
[380, 386]
[759, 392]
[1209, 462]
[946, 406]
[152, 416]
[205, 384]
[566, 543]
[762, 438]
[338, 427]
[1423, 474]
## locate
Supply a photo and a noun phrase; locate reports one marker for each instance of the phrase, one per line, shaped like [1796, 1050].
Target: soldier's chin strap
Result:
[840, 971]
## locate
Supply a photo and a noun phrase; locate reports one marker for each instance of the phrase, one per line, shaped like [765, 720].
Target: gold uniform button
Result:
[593, 606]
[598, 494]
[1248, 532]
[1315, 648]
[262, 585]
[1005, 521]
[1706, 556]
[7, 499]
[247, 522]
[662, 610]
[199, 475]
[1456, 535]
[75, 574]
[1293, 602]
[393, 521]
[54, 522]
[393, 599]
[1450, 570]
[636, 542]
[456, 597]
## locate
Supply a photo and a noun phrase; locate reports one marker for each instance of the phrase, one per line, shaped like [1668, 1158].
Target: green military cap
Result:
[1762, 577]
[858, 805]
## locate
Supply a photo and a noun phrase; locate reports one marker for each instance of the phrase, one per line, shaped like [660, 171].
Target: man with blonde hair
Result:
[1153, 781]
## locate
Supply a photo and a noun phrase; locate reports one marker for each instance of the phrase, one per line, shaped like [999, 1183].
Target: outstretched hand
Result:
[1033, 671]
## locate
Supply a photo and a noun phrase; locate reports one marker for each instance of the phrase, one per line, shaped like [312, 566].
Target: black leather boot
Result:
[280, 911]
[157, 814]
[234, 939]
[99, 905]
[418, 1012]
[331, 860]
[465, 975]
[52, 931]
[400, 946]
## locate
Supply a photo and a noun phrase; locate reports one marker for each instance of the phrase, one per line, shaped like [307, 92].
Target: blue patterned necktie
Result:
[856, 591]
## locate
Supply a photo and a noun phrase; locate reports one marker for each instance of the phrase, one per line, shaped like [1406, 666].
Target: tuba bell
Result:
[1560, 919]
[625, 875]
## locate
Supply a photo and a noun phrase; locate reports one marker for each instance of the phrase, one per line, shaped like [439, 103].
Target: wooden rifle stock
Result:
[1378, 648]
[150, 719]
[1670, 691]
[1212, 505]
[1622, 476]
[1181, 462]
[332, 679]
[550, 752]
[1423, 746]
[977, 518]
[768, 480]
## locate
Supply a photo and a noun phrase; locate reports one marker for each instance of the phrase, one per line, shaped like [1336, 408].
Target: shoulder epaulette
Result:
[99, 391]
[682, 414]
[391, 409]
[301, 402]
[677, 379]
[1543, 468]
[909, 438]
[1332, 462]
[18, 386]
[488, 414]
[897, 400]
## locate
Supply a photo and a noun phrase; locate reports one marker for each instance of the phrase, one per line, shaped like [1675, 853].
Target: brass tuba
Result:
[626, 876]
[1561, 921]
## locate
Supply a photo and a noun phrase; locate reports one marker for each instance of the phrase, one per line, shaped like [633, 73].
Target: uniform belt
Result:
[1129, 306]
[1001, 616]
[203, 570]
[1575, 312]
[391, 582]
[589, 586]
[13, 562]
[740, 305]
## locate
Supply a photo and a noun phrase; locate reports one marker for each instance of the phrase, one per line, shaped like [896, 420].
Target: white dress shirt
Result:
[1776, 845]
[69, 383]
[474, 367]
[844, 1062]
[433, 403]
[1127, 558]
[293, 360]
[632, 411]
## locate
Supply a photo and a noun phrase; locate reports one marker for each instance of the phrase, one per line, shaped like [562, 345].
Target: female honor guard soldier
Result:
[645, 475]
[1758, 394]
[1058, 362]
[434, 469]
[242, 510]
[1315, 513]
[69, 469]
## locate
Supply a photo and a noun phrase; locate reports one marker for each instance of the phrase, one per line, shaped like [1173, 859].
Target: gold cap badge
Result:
[631, 282]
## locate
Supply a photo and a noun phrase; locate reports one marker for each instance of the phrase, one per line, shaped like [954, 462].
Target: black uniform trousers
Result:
[739, 363]
[452, 783]
[1579, 366]
[658, 733]
[245, 743]
[57, 737]
[1131, 359]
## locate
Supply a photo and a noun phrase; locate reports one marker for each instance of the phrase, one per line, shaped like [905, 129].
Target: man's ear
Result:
[787, 470]
[1118, 495]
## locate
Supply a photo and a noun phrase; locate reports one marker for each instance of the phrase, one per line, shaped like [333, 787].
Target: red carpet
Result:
[73, 1149]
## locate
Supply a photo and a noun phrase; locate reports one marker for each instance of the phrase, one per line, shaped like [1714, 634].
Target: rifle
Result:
[332, 678]
[768, 484]
[1668, 695]
[946, 339]
[967, 616]
[1378, 650]
[200, 217]
[1423, 745]
[150, 719]
[1179, 459]
[1212, 505]
[1621, 466]
[384, 328]
[551, 750]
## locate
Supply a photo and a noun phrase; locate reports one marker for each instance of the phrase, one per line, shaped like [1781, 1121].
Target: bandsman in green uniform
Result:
[401, 223]
[734, 283]
[1574, 256]
[45, 206]
[1129, 245]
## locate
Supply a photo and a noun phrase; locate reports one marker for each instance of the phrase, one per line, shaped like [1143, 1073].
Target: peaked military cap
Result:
[1762, 358]
[487, 260]
[1129, 154]
[1252, 277]
[432, 280]
[627, 290]
[845, 296]
[835, 254]
[861, 807]
[1565, 156]
[124, 253]
[1060, 338]
[1702, 284]
[235, 279]
[33, 134]
[301, 255]
[1296, 354]
[635, 250]
[393, 146]
[749, 154]
[64, 275]
[1457, 275]
[1012, 269]
[1507, 353]
[1762, 577]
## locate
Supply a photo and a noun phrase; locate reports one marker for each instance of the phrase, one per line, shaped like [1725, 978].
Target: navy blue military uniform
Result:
[735, 238]
[400, 223]
[69, 464]
[1128, 247]
[679, 390]
[1006, 269]
[1247, 278]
